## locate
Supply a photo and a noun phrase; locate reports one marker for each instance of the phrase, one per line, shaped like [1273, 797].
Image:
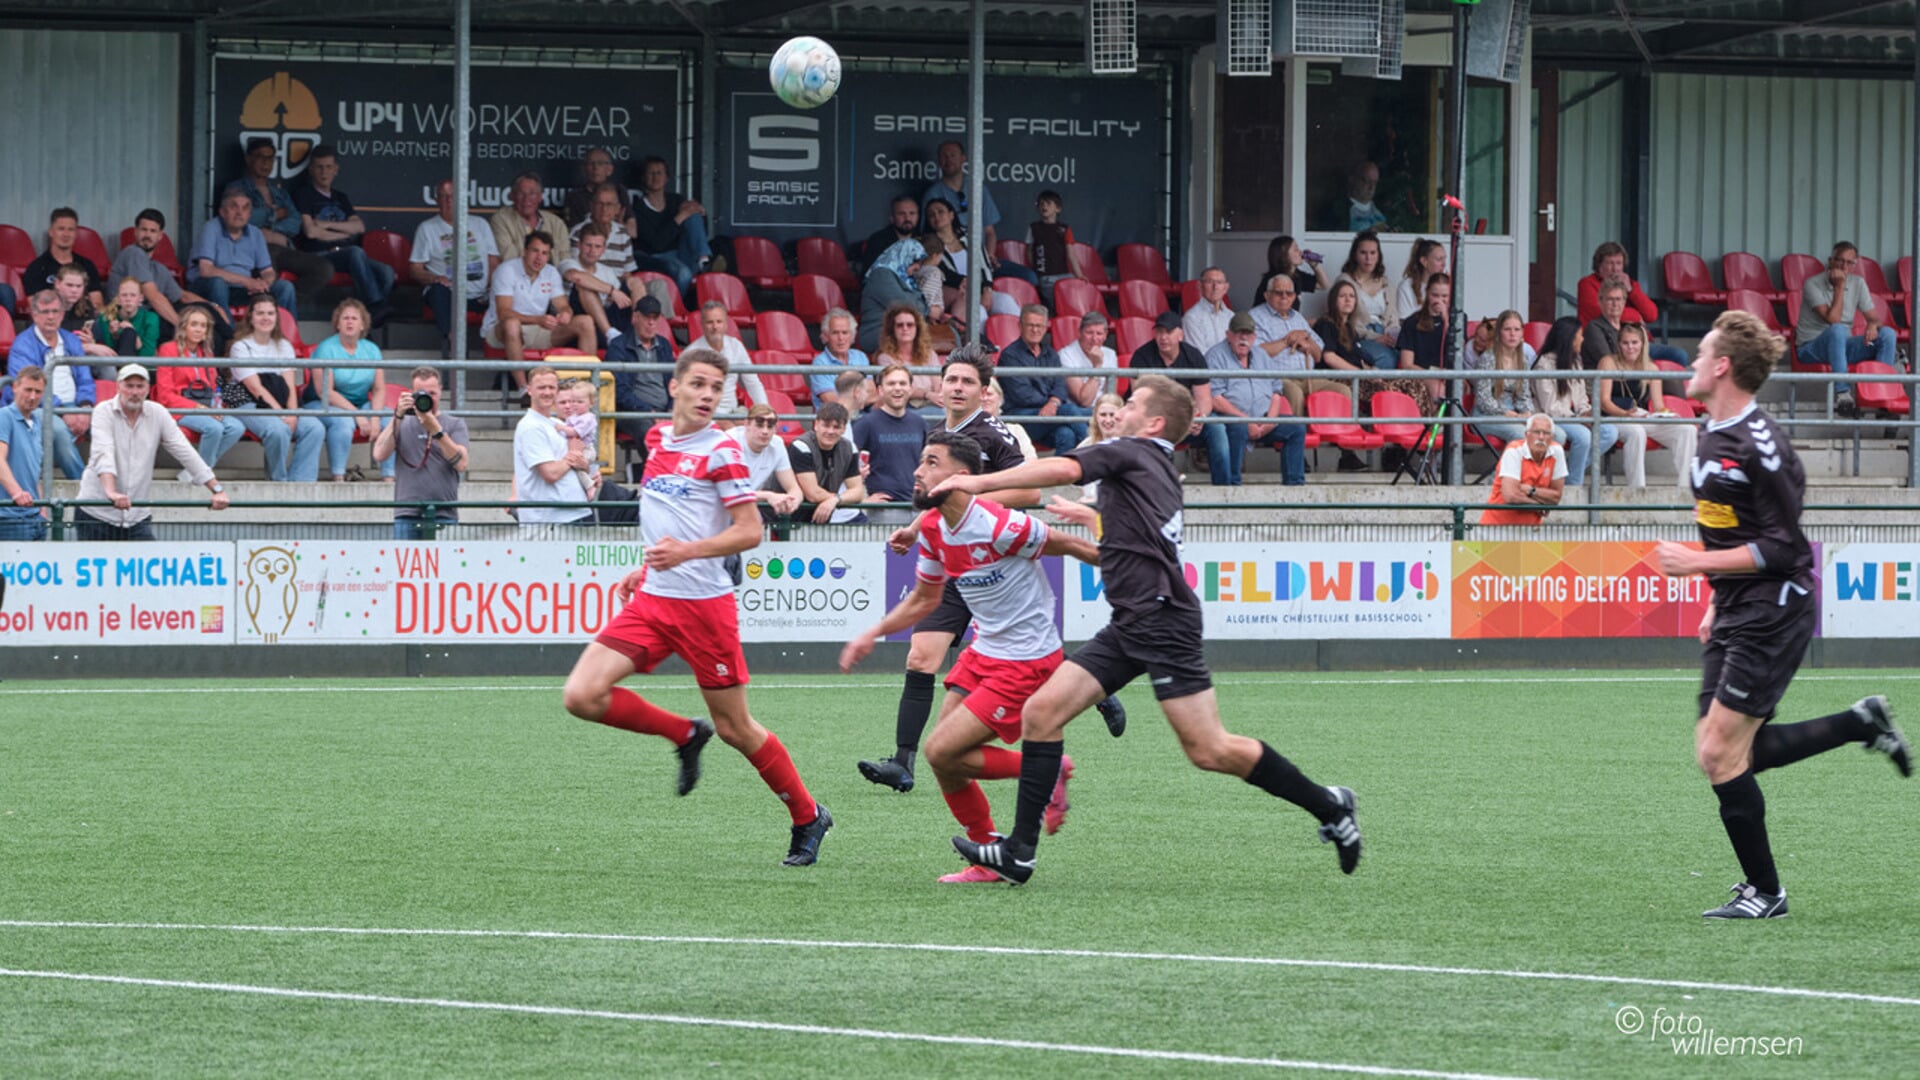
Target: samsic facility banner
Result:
[1870, 590]
[1295, 591]
[116, 594]
[1570, 589]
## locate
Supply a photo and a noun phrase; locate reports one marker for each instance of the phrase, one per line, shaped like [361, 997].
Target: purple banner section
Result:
[901, 579]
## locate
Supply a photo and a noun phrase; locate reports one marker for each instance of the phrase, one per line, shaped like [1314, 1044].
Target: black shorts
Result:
[953, 616]
[1166, 646]
[1755, 649]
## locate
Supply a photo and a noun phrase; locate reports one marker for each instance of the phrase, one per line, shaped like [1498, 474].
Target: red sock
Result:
[631, 712]
[970, 809]
[999, 763]
[776, 768]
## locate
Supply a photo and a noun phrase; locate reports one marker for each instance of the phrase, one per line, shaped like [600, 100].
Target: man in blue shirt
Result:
[278, 220]
[641, 391]
[1040, 395]
[20, 459]
[891, 435]
[230, 259]
[1256, 397]
[836, 333]
[71, 384]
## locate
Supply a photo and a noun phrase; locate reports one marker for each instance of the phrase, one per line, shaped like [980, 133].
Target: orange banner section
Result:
[1570, 589]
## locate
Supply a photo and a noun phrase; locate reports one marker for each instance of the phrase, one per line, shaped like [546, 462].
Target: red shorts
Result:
[704, 633]
[998, 689]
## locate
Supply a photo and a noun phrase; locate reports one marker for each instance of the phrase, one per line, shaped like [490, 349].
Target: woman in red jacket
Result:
[184, 389]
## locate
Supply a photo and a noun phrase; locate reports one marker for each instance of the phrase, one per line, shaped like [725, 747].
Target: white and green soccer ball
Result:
[805, 72]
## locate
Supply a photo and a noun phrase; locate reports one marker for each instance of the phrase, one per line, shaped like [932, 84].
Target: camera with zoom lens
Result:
[422, 401]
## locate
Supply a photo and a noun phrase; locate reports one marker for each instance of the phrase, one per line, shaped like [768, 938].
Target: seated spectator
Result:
[430, 264]
[609, 209]
[1169, 354]
[1501, 404]
[1342, 330]
[596, 168]
[904, 340]
[270, 385]
[128, 430]
[892, 435]
[157, 283]
[854, 391]
[1286, 258]
[77, 309]
[952, 189]
[433, 446]
[271, 210]
[1423, 343]
[530, 309]
[945, 293]
[1609, 261]
[522, 216]
[187, 390]
[1532, 471]
[1205, 323]
[669, 229]
[903, 223]
[836, 353]
[1362, 214]
[230, 260]
[1258, 397]
[349, 390]
[1088, 352]
[714, 326]
[992, 400]
[68, 385]
[331, 229]
[546, 464]
[1428, 257]
[1600, 338]
[1283, 334]
[1050, 245]
[1106, 420]
[769, 470]
[1040, 395]
[1379, 321]
[828, 470]
[1824, 335]
[598, 289]
[63, 228]
[20, 457]
[129, 327]
[1566, 399]
[1634, 399]
[894, 278]
[641, 391]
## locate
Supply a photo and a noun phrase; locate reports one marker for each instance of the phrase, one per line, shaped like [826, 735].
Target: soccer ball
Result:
[805, 72]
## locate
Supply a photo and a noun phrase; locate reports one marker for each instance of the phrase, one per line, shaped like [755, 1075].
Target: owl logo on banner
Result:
[267, 568]
[282, 109]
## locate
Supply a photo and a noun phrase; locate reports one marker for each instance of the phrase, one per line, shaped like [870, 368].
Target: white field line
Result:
[984, 950]
[757, 1025]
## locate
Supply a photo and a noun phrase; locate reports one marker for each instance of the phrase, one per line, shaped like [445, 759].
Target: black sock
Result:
[1743, 810]
[1280, 778]
[1039, 770]
[1783, 744]
[916, 704]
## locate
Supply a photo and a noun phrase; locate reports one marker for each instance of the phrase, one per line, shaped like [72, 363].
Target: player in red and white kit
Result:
[992, 555]
[696, 509]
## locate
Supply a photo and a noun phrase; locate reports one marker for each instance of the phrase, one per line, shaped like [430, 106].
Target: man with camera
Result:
[432, 451]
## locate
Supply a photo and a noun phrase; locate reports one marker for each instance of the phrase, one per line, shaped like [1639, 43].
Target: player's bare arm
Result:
[907, 613]
[1046, 473]
[1683, 560]
[1076, 547]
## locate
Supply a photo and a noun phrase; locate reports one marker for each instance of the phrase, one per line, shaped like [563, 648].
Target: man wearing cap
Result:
[1170, 354]
[127, 429]
[1257, 397]
[641, 391]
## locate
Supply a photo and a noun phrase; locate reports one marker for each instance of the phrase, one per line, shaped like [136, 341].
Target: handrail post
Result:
[429, 521]
[1596, 454]
[59, 515]
[1459, 521]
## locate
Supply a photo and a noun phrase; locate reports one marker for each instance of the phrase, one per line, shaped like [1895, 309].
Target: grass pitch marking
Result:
[1193, 1057]
[987, 950]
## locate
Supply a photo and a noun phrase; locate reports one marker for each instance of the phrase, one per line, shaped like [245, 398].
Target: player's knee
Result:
[1209, 755]
[923, 660]
[584, 699]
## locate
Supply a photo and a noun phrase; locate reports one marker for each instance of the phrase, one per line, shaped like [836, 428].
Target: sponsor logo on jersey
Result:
[1713, 515]
[1725, 468]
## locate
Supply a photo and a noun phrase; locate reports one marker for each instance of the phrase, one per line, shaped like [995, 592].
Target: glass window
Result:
[1251, 153]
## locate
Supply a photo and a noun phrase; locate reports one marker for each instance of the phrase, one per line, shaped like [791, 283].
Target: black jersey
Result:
[1141, 506]
[1748, 487]
[998, 448]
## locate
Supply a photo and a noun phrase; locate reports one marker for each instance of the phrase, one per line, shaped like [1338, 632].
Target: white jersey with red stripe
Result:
[691, 482]
[993, 557]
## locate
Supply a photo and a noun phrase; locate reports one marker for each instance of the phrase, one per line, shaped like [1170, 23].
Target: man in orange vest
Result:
[1533, 471]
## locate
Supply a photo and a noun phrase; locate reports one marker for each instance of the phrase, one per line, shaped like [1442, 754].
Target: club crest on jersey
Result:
[1726, 468]
[687, 466]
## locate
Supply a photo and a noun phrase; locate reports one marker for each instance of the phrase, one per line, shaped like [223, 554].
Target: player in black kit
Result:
[1748, 488]
[1156, 630]
[962, 383]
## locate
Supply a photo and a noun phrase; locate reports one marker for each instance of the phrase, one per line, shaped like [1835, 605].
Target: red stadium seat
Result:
[793, 385]
[814, 295]
[1093, 270]
[1904, 270]
[1745, 270]
[1687, 279]
[6, 335]
[1313, 437]
[1142, 299]
[88, 245]
[16, 247]
[1869, 269]
[1065, 329]
[1013, 251]
[290, 329]
[1883, 397]
[758, 262]
[1002, 330]
[1189, 295]
[1536, 334]
[729, 291]
[677, 316]
[390, 249]
[1129, 334]
[824, 256]
[11, 275]
[1757, 304]
[788, 430]
[1795, 269]
[1072, 296]
[1021, 292]
[782, 331]
[1399, 406]
[1332, 414]
[1143, 262]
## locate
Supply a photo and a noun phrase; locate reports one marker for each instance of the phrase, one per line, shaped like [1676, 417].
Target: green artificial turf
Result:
[1531, 822]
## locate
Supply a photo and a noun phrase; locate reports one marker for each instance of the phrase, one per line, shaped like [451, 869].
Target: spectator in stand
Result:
[1106, 421]
[77, 309]
[1362, 214]
[1040, 395]
[669, 229]
[904, 340]
[331, 229]
[894, 278]
[1532, 472]
[230, 260]
[187, 390]
[641, 391]
[1050, 245]
[63, 228]
[129, 327]
[1635, 399]
[903, 223]
[1379, 321]
[20, 519]
[594, 286]
[828, 470]
[1600, 338]
[574, 404]
[1566, 400]
[67, 384]
[714, 326]
[596, 168]
[1257, 396]
[270, 384]
[609, 211]
[545, 467]
[271, 210]
[1088, 352]
[1205, 323]
[1501, 404]
[127, 430]
[854, 391]
[352, 390]
[767, 463]
[1829, 303]
[430, 264]
[157, 283]
[1169, 354]
[523, 216]
[1286, 337]
[992, 400]
[1285, 258]
[530, 309]
[433, 447]
[892, 436]
[1428, 257]
[1423, 343]
[1609, 261]
[952, 189]
[836, 354]
[944, 290]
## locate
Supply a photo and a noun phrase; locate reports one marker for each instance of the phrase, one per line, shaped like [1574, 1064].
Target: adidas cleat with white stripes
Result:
[1750, 903]
[1343, 832]
[1001, 856]
[1887, 738]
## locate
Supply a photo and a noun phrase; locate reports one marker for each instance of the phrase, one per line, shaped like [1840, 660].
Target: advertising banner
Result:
[1570, 589]
[117, 594]
[812, 592]
[903, 576]
[1870, 590]
[392, 124]
[1296, 591]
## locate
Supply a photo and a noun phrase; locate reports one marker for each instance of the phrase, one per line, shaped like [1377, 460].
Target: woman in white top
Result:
[1376, 315]
[1429, 257]
[1633, 399]
[272, 385]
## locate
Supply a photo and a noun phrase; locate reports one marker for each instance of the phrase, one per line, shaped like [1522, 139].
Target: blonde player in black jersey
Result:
[1748, 487]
